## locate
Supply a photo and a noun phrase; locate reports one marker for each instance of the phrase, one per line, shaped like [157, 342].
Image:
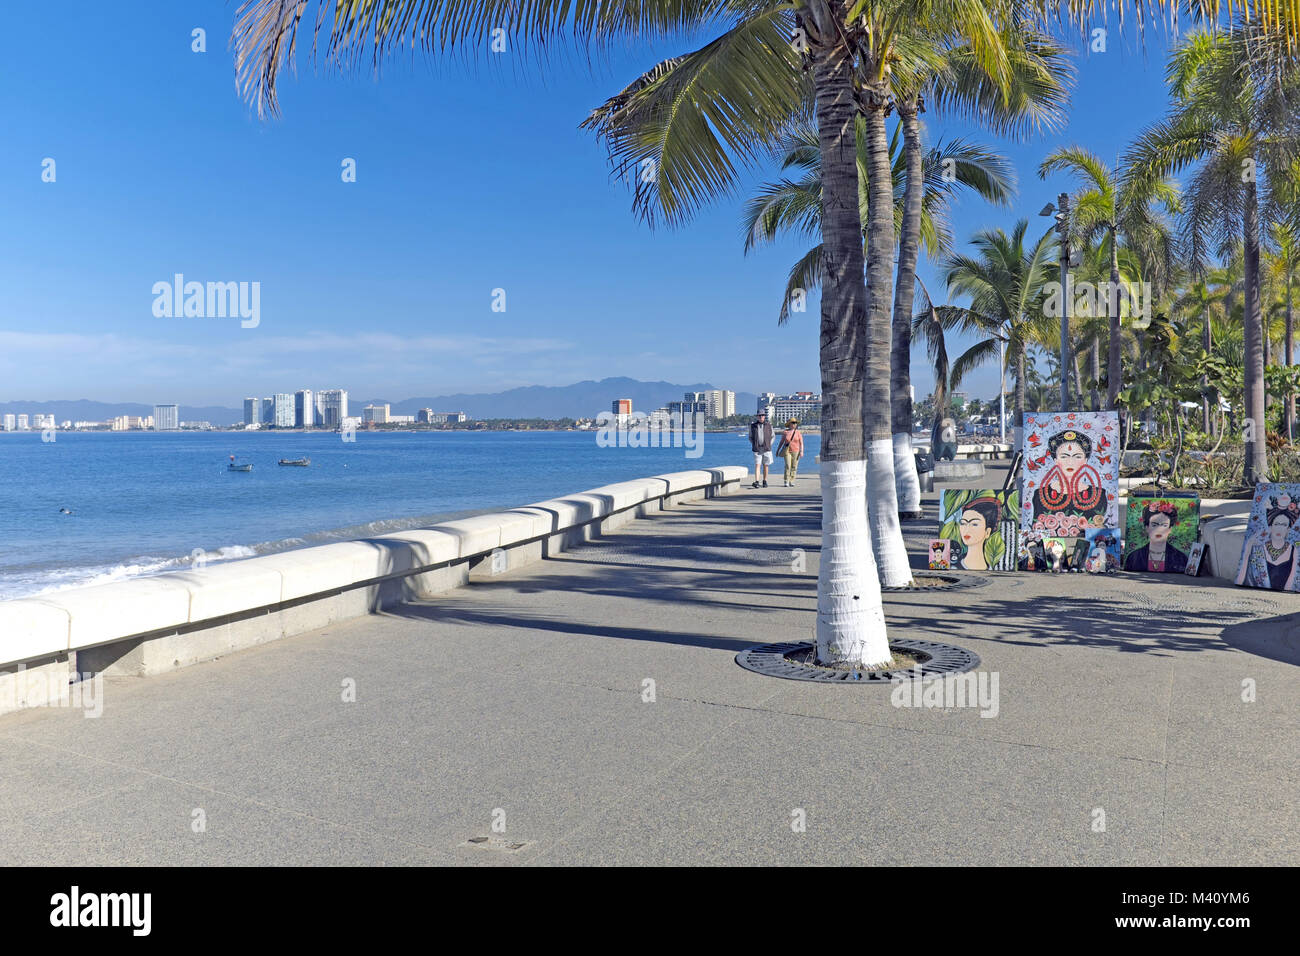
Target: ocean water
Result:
[145, 502]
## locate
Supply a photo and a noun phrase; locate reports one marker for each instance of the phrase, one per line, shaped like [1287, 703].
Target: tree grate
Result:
[773, 660]
[944, 582]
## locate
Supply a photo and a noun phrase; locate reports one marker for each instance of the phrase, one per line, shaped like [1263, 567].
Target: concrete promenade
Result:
[520, 698]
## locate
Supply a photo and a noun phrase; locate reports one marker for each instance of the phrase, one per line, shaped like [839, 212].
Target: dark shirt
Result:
[1278, 573]
[1175, 560]
[760, 436]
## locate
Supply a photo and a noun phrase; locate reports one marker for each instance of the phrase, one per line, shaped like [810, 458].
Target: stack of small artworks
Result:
[1270, 554]
[1069, 502]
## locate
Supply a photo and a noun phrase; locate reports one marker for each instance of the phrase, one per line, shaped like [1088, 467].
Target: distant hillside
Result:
[581, 400]
[87, 411]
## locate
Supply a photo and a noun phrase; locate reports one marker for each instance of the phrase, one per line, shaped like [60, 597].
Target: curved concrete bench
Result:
[151, 624]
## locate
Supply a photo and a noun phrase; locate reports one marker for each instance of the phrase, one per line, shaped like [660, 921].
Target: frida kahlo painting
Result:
[982, 526]
[1070, 478]
[1268, 558]
[1159, 533]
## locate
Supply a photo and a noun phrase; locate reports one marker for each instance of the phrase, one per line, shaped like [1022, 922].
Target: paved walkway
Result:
[522, 697]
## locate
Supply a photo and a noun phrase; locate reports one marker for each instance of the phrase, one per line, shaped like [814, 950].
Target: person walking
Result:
[760, 439]
[791, 449]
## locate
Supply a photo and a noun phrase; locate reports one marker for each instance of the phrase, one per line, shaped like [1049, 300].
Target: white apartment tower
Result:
[304, 408]
[331, 407]
[166, 418]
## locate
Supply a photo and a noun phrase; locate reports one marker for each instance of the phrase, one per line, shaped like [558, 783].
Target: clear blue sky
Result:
[468, 179]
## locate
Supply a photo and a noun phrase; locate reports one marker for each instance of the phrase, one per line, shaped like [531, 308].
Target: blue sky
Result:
[468, 179]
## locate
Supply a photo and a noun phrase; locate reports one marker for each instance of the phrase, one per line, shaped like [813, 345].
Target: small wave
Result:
[31, 583]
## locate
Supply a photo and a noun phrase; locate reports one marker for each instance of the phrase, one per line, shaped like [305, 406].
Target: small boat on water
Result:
[298, 462]
[234, 467]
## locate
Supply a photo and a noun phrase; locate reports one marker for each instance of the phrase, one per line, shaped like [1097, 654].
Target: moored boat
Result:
[298, 462]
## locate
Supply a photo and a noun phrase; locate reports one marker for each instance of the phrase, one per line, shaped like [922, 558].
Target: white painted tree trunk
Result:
[850, 615]
[882, 513]
[906, 481]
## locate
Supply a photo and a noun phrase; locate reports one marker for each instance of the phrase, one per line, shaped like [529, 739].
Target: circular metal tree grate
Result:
[774, 660]
[941, 581]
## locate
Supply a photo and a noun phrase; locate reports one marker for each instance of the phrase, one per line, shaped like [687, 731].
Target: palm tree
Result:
[788, 205]
[1032, 98]
[1233, 116]
[1206, 299]
[1281, 268]
[886, 39]
[729, 100]
[1004, 282]
[1112, 209]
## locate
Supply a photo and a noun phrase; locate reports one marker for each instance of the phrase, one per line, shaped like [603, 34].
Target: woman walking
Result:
[791, 448]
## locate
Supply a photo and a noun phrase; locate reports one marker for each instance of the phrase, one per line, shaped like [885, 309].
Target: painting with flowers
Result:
[1268, 558]
[1159, 533]
[1070, 476]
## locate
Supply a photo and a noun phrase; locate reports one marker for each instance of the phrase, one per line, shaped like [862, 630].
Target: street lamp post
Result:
[1002, 389]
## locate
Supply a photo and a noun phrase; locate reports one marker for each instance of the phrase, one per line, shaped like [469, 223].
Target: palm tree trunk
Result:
[882, 494]
[1094, 372]
[1290, 349]
[1078, 376]
[1114, 371]
[850, 615]
[1020, 398]
[906, 482]
[1211, 394]
[1256, 445]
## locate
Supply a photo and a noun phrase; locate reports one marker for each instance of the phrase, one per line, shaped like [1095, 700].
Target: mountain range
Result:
[580, 400]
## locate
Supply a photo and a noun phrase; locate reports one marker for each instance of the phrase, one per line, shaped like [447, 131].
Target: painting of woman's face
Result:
[1070, 458]
[974, 530]
[1277, 531]
[1158, 526]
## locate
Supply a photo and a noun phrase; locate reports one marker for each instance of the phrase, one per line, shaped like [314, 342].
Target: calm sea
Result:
[144, 502]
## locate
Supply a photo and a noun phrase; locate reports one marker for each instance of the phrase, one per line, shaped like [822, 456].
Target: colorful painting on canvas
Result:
[1195, 557]
[982, 525]
[940, 554]
[1103, 551]
[1268, 558]
[1159, 533]
[1070, 476]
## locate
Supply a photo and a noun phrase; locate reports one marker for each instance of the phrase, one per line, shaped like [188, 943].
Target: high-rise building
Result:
[781, 408]
[331, 407]
[167, 418]
[252, 411]
[22, 423]
[424, 415]
[268, 411]
[11, 421]
[375, 414]
[283, 404]
[304, 408]
[718, 402]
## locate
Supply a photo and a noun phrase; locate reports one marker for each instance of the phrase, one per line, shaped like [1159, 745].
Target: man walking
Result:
[760, 439]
